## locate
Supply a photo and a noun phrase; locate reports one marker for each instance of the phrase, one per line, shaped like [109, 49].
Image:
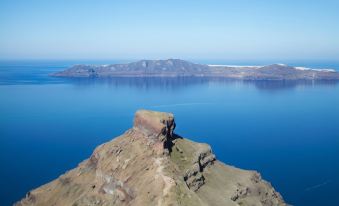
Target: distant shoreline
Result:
[181, 68]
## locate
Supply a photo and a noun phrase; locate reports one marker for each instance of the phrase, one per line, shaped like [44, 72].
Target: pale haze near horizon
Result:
[169, 29]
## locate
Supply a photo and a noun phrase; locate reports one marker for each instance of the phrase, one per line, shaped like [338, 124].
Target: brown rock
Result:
[156, 125]
[129, 170]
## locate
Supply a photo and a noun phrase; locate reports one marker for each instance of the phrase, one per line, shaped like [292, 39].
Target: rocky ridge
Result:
[151, 165]
[181, 68]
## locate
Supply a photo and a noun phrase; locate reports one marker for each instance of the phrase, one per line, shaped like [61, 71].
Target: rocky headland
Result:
[181, 68]
[151, 165]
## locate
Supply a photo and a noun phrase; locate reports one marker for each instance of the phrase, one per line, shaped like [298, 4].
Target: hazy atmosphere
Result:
[169, 29]
[169, 103]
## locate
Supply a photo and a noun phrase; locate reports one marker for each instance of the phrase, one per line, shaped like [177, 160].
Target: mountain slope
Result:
[170, 67]
[181, 68]
[150, 165]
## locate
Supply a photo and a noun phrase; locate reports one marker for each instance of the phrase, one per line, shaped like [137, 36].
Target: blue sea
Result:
[288, 131]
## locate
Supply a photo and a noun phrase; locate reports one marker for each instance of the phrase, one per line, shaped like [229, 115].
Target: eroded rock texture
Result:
[150, 165]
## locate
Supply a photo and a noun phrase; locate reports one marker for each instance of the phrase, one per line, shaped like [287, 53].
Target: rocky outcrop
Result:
[202, 158]
[156, 125]
[181, 68]
[150, 165]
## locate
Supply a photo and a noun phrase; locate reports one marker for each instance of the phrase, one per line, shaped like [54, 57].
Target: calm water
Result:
[288, 131]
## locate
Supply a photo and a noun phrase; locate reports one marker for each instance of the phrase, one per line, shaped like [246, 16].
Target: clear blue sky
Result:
[237, 29]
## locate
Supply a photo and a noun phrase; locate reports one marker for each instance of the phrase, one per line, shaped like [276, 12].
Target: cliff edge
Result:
[150, 165]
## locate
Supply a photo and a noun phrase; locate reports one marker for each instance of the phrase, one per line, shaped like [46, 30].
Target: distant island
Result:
[181, 68]
[151, 165]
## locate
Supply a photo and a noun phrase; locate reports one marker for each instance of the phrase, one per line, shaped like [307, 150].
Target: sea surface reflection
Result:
[287, 130]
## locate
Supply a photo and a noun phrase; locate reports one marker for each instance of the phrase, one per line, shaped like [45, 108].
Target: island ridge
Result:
[151, 165]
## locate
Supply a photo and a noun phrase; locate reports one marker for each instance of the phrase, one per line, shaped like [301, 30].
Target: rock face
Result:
[203, 157]
[181, 68]
[150, 165]
[157, 125]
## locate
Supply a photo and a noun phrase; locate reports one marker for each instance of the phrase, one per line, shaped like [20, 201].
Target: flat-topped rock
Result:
[155, 125]
[129, 170]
